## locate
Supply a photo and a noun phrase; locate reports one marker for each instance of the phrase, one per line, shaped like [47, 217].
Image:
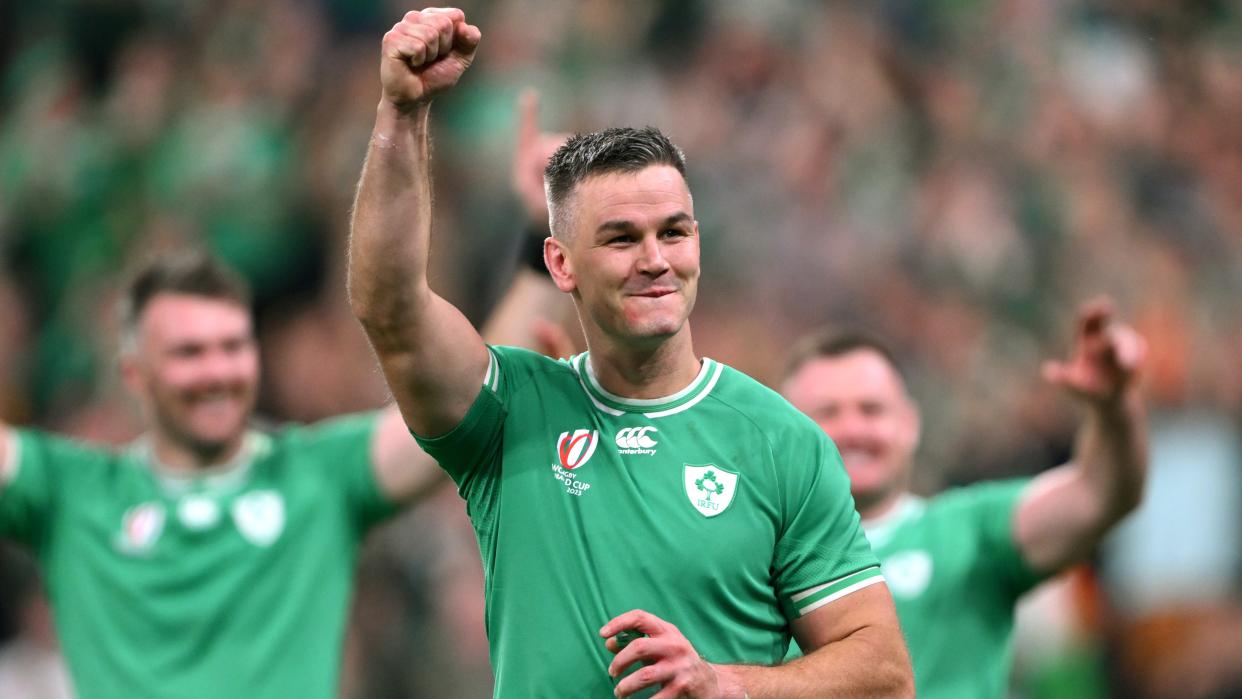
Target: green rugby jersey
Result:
[232, 584]
[721, 509]
[955, 573]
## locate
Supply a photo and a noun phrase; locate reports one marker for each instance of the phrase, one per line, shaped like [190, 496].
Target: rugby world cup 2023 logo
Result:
[573, 449]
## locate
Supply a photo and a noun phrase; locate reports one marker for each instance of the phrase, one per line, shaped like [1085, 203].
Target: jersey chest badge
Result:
[260, 516]
[908, 573]
[710, 488]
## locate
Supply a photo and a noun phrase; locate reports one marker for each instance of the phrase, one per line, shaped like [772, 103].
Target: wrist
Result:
[389, 115]
[530, 249]
[1125, 403]
[729, 682]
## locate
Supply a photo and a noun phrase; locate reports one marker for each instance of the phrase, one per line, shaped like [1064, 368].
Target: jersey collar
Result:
[611, 403]
[216, 478]
[880, 529]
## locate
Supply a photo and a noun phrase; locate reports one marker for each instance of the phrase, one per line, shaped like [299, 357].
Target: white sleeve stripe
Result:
[864, 573]
[839, 594]
[8, 467]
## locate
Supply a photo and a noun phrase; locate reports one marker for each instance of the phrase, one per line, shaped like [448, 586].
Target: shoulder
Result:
[519, 365]
[764, 408]
[527, 360]
[328, 440]
[30, 444]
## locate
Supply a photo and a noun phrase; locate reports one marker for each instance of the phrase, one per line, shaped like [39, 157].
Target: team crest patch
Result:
[260, 516]
[710, 488]
[908, 573]
[141, 527]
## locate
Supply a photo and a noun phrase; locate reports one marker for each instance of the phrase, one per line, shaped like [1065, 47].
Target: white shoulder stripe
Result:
[839, 594]
[492, 378]
[11, 462]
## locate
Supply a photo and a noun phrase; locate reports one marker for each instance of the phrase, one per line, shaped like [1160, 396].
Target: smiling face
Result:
[632, 258]
[860, 401]
[195, 369]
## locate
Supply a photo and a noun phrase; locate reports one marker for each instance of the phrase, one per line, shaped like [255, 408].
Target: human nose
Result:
[844, 427]
[651, 260]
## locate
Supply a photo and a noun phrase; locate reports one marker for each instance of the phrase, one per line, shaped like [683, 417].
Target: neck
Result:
[873, 509]
[179, 458]
[651, 371]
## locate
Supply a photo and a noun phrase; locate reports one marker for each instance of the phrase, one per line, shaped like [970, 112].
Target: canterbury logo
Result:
[575, 448]
[634, 440]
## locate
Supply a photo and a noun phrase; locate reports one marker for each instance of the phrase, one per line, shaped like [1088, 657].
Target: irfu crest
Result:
[710, 488]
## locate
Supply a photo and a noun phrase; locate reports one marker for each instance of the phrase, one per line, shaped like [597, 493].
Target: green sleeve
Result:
[992, 507]
[822, 554]
[29, 499]
[342, 446]
[471, 452]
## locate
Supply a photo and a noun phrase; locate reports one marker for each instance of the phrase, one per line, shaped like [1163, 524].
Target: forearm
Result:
[1066, 511]
[391, 226]
[1111, 452]
[871, 662]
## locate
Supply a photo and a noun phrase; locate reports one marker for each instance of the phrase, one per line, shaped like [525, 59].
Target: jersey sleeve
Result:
[471, 452]
[343, 447]
[822, 554]
[34, 474]
[992, 506]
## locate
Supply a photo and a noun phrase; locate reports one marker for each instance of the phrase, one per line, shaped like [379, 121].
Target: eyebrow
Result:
[625, 226]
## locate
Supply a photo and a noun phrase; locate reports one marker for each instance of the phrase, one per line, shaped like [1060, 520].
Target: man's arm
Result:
[1065, 512]
[527, 316]
[858, 652]
[432, 356]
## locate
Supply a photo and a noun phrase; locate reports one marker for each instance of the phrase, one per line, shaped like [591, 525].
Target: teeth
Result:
[855, 454]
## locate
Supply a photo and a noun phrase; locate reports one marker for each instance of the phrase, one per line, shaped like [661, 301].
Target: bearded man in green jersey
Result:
[208, 559]
[958, 562]
[635, 488]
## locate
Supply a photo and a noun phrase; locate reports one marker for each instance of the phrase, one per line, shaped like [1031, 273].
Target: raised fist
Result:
[424, 54]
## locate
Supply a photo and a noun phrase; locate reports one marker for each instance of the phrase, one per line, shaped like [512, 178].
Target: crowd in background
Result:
[954, 176]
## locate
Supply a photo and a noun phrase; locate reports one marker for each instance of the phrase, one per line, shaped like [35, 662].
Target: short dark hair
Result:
[829, 343]
[193, 272]
[618, 149]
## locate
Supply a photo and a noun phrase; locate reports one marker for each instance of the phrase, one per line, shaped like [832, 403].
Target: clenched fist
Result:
[424, 54]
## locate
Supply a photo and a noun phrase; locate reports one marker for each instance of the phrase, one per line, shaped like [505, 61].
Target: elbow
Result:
[892, 675]
[901, 679]
[1128, 494]
[1132, 498]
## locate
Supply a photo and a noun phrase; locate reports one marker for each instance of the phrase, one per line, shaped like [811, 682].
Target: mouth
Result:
[215, 401]
[857, 456]
[654, 293]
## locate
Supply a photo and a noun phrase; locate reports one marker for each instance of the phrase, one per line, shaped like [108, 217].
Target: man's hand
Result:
[530, 158]
[424, 54]
[669, 661]
[1105, 360]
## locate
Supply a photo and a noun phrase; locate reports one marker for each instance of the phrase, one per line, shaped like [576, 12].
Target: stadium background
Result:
[955, 175]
